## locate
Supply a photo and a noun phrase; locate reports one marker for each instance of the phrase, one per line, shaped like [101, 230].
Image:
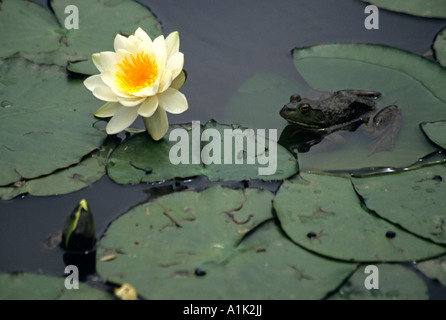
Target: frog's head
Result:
[304, 112]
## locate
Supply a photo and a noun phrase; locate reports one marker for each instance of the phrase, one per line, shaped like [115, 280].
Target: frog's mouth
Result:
[313, 119]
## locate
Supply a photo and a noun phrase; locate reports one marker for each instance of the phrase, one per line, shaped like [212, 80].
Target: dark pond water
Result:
[225, 43]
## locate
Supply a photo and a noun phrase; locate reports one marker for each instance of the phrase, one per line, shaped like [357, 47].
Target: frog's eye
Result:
[304, 108]
[295, 97]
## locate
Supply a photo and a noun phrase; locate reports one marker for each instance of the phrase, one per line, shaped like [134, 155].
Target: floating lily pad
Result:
[423, 8]
[413, 199]
[39, 35]
[46, 120]
[26, 286]
[436, 132]
[257, 103]
[209, 245]
[67, 180]
[395, 282]
[434, 269]
[410, 81]
[323, 214]
[141, 159]
[440, 47]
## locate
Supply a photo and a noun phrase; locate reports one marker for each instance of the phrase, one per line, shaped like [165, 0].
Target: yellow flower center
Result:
[136, 73]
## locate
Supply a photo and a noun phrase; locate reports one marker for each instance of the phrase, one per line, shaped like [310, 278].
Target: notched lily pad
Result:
[413, 199]
[27, 286]
[46, 120]
[42, 37]
[79, 176]
[324, 214]
[439, 47]
[392, 281]
[141, 159]
[211, 245]
[423, 8]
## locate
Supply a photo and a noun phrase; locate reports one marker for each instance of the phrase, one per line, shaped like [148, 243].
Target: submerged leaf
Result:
[210, 245]
[324, 214]
[414, 83]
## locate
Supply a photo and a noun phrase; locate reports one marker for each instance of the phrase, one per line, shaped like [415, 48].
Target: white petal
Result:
[108, 78]
[122, 119]
[108, 60]
[120, 93]
[173, 101]
[121, 54]
[175, 64]
[130, 102]
[120, 42]
[93, 82]
[157, 125]
[105, 93]
[148, 107]
[172, 43]
[159, 47]
[133, 44]
[166, 81]
[108, 110]
[97, 61]
[143, 36]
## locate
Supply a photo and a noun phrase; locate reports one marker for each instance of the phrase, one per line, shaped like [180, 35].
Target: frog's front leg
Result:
[384, 128]
[360, 93]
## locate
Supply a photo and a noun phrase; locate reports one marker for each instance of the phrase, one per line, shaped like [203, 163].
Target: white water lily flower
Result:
[141, 77]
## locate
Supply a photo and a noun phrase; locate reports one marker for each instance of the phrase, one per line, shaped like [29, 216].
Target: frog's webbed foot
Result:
[384, 128]
[360, 93]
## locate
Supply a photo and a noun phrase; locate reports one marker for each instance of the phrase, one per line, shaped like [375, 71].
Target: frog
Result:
[347, 109]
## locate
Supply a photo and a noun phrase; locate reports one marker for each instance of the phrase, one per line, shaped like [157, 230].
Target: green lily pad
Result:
[209, 245]
[413, 199]
[440, 47]
[46, 120]
[323, 214]
[257, 103]
[79, 176]
[410, 81]
[422, 8]
[434, 269]
[38, 35]
[141, 159]
[395, 282]
[27, 286]
[436, 132]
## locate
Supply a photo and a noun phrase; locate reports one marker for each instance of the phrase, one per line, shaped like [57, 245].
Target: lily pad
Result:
[141, 159]
[257, 103]
[323, 214]
[413, 199]
[436, 132]
[210, 245]
[440, 47]
[422, 8]
[27, 286]
[395, 282]
[434, 269]
[46, 120]
[38, 35]
[79, 176]
[410, 81]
